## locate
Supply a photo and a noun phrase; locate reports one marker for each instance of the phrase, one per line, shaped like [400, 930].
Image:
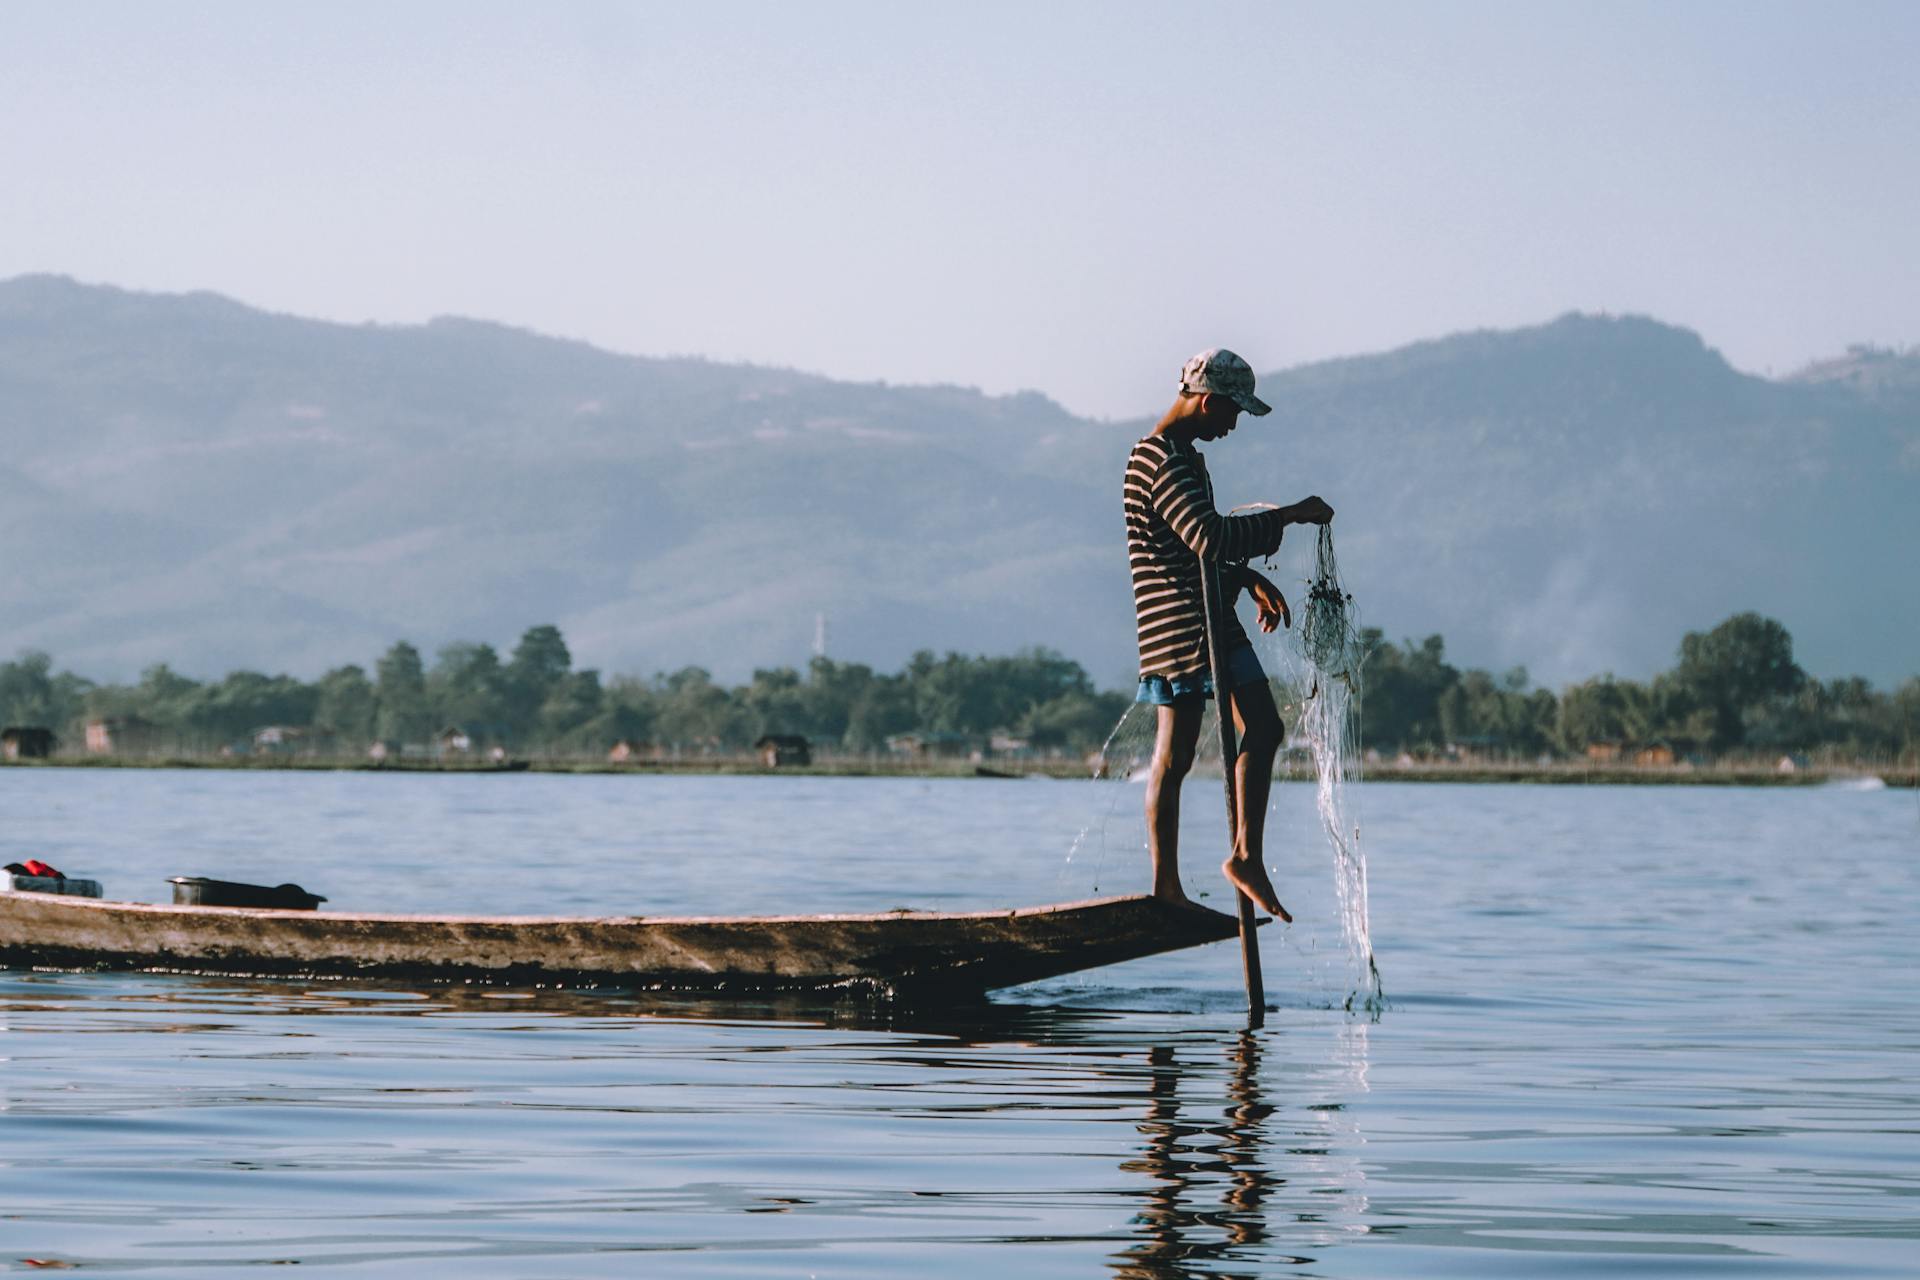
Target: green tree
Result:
[883, 707]
[574, 703]
[539, 663]
[1736, 672]
[1603, 710]
[617, 720]
[1845, 719]
[941, 692]
[403, 714]
[231, 709]
[163, 698]
[1499, 716]
[166, 694]
[831, 692]
[629, 707]
[978, 695]
[1403, 686]
[346, 706]
[1075, 720]
[776, 701]
[695, 712]
[1470, 711]
[27, 694]
[1905, 710]
[468, 687]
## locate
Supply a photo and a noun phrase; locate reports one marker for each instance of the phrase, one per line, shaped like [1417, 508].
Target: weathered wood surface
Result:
[901, 950]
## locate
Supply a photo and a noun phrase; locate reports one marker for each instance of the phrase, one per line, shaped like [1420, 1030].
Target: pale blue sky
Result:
[1066, 197]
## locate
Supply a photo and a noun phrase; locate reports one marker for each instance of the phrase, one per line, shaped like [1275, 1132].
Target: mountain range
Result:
[189, 480]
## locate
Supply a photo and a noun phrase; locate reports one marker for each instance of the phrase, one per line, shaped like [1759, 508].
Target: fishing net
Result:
[1312, 833]
[1317, 680]
[1328, 638]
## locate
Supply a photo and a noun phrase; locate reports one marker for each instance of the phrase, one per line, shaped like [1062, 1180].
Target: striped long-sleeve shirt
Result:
[1171, 524]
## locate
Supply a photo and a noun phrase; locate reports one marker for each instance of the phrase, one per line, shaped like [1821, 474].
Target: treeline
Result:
[1735, 690]
[535, 701]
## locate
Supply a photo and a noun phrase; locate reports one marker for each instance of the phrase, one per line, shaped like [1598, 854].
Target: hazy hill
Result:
[183, 478]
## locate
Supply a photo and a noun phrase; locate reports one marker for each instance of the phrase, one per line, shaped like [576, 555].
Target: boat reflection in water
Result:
[1166, 1144]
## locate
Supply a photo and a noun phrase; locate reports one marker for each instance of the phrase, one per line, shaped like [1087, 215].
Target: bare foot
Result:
[1175, 897]
[1250, 878]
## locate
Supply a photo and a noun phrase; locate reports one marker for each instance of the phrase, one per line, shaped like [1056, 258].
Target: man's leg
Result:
[1176, 735]
[1261, 734]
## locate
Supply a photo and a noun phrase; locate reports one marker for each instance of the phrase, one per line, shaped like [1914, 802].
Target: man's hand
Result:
[1309, 511]
[1272, 605]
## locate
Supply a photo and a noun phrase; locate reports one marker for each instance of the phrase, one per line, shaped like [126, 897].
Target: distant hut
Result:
[471, 739]
[1476, 748]
[121, 735]
[1606, 752]
[1655, 755]
[777, 749]
[279, 739]
[1007, 744]
[936, 746]
[628, 750]
[26, 743]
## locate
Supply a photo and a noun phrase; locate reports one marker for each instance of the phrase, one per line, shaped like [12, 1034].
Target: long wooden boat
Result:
[900, 951]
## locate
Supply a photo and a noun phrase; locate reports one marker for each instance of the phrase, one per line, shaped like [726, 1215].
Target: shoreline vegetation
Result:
[1545, 773]
[1735, 707]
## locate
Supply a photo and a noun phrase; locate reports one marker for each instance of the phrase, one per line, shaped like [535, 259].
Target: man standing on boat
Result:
[1172, 527]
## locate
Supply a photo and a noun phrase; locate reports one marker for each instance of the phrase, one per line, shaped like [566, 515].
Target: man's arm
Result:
[1180, 497]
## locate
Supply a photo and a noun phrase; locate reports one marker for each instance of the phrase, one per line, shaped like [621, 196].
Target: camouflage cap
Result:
[1223, 373]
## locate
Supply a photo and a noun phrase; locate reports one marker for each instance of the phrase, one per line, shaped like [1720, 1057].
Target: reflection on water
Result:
[1636, 1032]
[1214, 1169]
[1210, 1185]
[132, 1103]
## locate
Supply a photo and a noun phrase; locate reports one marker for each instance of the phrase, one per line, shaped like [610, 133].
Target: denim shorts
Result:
[1243, 667]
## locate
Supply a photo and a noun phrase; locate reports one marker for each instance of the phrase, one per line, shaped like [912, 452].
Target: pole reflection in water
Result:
[1216, 1197]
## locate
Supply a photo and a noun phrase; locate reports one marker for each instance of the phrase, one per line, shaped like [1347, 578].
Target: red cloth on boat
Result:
[34, 867]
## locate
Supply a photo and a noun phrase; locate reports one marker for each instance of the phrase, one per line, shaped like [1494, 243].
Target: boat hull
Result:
[900, 951]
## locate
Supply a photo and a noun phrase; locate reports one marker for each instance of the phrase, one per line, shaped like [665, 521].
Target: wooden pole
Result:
[1215, 602]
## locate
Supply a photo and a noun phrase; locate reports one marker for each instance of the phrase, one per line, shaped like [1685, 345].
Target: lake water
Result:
[1646, 1032]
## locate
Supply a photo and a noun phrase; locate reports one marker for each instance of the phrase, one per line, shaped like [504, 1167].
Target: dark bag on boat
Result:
[198, 891]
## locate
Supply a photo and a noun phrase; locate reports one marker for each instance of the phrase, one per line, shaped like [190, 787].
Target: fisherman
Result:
[1172, 527]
